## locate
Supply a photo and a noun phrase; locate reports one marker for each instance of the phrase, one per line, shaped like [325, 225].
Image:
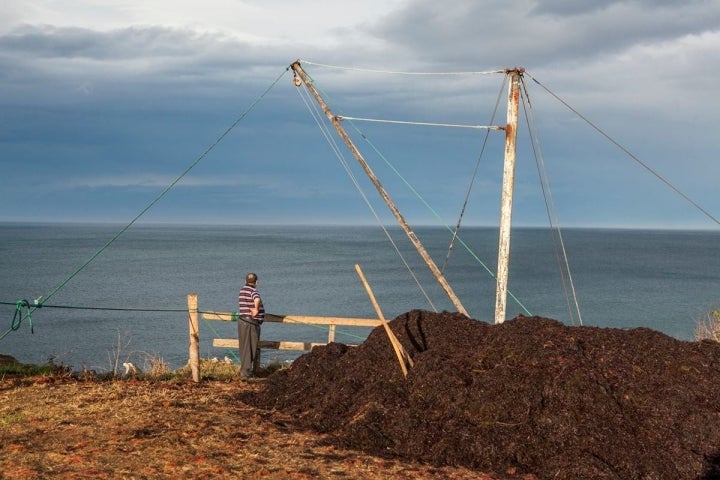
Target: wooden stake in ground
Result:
[194, 336]
[402, 355]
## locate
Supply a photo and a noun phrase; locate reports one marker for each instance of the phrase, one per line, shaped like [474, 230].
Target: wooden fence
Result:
[331, 323]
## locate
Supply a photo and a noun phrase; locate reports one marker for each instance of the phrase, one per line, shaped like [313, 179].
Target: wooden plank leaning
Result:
[402, 355]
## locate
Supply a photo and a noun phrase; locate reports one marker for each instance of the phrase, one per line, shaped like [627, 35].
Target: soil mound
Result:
[529, 396]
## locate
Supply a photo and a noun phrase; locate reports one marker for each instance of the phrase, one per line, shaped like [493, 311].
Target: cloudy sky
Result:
[105, 103]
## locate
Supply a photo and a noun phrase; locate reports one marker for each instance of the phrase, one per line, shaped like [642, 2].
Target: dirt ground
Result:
[530, 398]
[70, 429]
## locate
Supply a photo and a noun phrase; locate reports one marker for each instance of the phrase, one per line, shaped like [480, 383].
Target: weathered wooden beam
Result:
[506, 200]
[335, 121]
[301, 319]
[402, 355]
[194, 360]
[270, 344]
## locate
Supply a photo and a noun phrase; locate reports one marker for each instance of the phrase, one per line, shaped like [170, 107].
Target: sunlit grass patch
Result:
[708, 326]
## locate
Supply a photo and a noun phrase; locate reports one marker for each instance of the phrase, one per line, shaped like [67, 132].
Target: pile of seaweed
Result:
[530, 395]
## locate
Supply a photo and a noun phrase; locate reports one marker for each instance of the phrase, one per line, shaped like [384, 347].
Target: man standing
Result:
[252, 313]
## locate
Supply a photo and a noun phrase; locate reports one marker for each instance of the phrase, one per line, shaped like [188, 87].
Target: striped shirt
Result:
[246, 302]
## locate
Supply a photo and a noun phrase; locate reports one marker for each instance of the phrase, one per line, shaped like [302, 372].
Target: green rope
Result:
[338, 332]
[116, 309]
[18, 317]
[217, 335]
[423, 201]
[149, 206]
[435, 213]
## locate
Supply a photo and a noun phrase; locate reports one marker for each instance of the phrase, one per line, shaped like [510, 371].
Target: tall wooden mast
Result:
[506, 200]
[301, 75]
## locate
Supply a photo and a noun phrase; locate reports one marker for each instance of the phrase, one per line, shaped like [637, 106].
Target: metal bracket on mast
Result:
[301, 76]
[507, 192]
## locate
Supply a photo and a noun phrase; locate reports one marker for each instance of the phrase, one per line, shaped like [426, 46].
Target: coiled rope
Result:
[18, 315]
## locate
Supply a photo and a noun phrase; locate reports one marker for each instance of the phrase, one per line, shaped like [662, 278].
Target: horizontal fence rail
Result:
[194, 331]
[331, 322]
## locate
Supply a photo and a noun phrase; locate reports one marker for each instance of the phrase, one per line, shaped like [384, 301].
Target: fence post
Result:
[194, 336]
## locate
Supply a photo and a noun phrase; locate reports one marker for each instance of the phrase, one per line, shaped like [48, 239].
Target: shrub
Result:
[10, 366]
[708, 327]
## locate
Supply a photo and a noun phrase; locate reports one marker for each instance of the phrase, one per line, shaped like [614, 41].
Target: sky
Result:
[188, 108]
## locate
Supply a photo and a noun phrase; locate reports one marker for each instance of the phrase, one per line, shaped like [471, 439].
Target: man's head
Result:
[251, 279]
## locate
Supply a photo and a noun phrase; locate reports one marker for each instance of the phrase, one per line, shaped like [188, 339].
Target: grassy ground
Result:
[57, 425]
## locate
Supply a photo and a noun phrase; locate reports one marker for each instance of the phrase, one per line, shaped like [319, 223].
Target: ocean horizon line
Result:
[170, 224]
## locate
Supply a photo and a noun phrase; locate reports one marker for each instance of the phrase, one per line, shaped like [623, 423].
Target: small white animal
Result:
[227, 359]
[130, 369]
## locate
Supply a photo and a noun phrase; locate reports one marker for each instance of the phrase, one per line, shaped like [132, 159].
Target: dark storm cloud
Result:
[501, 33]
[156, 69]
[138, 41]
[91, 107]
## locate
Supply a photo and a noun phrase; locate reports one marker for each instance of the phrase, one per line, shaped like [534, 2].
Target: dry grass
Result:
[62, 427]
[708, 327]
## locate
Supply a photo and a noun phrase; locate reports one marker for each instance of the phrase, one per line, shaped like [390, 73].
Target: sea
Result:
[109, 297]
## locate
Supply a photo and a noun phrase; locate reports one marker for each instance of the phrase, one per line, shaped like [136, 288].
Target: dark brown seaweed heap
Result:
[530, 395]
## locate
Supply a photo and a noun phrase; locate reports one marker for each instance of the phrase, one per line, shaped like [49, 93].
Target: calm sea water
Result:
[664, 280]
